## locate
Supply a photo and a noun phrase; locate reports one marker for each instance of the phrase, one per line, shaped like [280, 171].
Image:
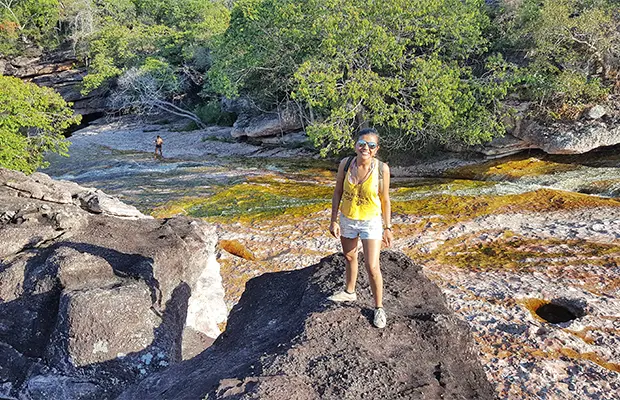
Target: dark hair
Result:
[369, 131]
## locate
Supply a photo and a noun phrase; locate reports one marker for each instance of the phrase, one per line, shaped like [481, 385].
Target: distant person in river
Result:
[158, 143]
[362, 196]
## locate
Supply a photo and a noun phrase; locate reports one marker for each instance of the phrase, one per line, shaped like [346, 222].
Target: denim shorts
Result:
[365, 229]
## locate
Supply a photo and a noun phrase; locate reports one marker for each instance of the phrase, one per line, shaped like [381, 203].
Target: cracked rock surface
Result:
[92, 300]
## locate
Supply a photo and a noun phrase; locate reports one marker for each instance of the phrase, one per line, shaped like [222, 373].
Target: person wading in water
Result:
[158, 143]
[363, 198]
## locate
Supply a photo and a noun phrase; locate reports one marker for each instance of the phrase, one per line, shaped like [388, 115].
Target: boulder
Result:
[293, 139]
[101, 324]
[496, 148]
[271, 124]
[101, 300]
[54, 386]
[239, 105]
[524, 133]
[99, 202]
[283, 340]
[576, 138]
[41, 187]
[14, 368]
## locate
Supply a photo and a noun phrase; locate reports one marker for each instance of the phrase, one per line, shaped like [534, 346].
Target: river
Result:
[499, 238]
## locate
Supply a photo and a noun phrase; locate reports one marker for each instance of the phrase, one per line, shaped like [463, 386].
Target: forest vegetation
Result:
[421, 71]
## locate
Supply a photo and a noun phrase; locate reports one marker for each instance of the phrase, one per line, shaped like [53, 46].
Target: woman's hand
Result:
[334, 229]
[388, 237]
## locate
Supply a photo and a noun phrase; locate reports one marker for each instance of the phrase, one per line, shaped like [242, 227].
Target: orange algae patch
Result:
[511, 169]
[237, 248]
[532, 305]
[583, 334]
[590, 356]
[525, 350]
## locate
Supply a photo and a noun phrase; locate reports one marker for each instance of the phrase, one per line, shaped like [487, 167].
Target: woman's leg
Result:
[349, 248]
[372, 248]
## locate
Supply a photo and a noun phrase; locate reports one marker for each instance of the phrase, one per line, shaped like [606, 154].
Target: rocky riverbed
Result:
[525, 259]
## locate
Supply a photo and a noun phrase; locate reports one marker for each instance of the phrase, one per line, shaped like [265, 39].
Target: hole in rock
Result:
[555, 313]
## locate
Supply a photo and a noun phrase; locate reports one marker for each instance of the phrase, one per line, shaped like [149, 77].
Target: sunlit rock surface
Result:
[575, 138]
[90, 301]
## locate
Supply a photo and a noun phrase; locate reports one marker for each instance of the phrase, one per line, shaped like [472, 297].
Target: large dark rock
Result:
[96, 300]
[285, 341]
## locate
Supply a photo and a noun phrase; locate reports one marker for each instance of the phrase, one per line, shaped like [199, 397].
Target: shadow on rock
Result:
[284, 340]
[82, 321]
[60, 378]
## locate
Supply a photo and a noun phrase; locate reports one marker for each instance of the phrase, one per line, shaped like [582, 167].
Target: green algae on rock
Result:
[510, 169]
[515, 253]
[254, 200]
[450, 208]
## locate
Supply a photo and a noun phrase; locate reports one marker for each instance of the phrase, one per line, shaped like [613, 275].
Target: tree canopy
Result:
[569, 50]
[414, 68]
[418, 70]
[32, 122]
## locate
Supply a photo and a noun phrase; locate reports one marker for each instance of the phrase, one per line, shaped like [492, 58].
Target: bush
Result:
[569, 50]
[211, 113]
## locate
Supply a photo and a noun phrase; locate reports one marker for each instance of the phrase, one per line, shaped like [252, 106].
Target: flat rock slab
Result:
[284, 340]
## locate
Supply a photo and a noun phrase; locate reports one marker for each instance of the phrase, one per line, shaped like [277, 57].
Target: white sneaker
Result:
[380, 318]
[343, 296]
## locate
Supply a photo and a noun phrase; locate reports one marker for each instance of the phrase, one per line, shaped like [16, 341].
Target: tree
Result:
[404, 66]
[24, 22]
[32, 122]
[146, 90]
[165, 36]
[570, 48]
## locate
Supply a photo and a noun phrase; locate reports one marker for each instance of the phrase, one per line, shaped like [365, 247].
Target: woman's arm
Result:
[334, 227]
[386, 207]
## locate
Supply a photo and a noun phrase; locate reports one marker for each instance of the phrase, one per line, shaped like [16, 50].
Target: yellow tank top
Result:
[361, 201]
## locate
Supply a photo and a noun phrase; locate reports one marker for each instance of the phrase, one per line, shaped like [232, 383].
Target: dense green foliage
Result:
[32, 121]
[570, 49]
[403, 66]
[28, 21]
[177, 33]
[421, 71]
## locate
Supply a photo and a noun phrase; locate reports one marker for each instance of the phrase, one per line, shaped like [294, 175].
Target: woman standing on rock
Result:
[363, 198]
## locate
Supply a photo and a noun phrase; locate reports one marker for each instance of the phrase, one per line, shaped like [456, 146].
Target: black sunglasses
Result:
[371, 145]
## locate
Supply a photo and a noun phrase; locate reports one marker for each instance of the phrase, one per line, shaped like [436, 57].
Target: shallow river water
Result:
[500, 238]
